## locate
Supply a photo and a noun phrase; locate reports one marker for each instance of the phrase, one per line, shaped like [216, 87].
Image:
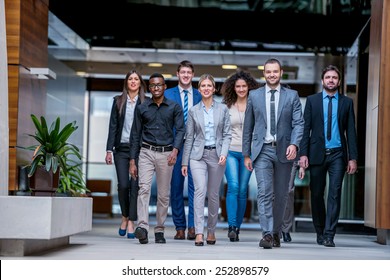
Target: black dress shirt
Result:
[155, 125]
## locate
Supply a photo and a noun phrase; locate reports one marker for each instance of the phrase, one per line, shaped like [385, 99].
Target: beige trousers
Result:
[151, 162]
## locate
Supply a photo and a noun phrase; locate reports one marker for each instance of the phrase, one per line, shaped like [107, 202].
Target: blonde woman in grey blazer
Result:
[206, 147]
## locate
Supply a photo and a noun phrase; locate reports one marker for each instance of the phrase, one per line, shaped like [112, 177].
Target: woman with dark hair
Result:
[235, 91]
[118, 145]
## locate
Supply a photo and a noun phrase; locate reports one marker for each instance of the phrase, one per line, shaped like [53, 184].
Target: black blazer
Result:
[313, 141]
[116, 125]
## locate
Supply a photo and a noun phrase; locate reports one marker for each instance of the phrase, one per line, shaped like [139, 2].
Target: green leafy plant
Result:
[54, 153]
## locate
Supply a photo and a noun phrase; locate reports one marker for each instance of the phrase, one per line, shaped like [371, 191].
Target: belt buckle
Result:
[328, 152]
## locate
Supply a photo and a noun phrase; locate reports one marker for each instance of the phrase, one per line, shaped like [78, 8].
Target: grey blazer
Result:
[289, 123]
[195, 132]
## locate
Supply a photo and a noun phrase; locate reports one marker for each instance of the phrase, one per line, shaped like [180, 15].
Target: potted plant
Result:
[56, 163]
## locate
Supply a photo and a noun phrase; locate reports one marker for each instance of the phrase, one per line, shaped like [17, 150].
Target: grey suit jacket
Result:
[195, 132]
[289, 123]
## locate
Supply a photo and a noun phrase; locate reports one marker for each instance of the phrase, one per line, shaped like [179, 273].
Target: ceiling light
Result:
[229, 66]
[81, 73]
[260, 67]
[155, 64]
[167, 76]
[280, 46]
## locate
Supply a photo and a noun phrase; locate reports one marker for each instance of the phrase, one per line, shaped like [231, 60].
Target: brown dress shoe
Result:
[180, 234]
[191, 233]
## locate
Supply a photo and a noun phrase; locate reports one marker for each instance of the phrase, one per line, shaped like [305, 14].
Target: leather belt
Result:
[332, 150]
[160, 149]
[272, 144]
[209, 147]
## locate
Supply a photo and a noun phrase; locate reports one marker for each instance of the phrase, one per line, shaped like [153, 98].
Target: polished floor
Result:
[104, 243]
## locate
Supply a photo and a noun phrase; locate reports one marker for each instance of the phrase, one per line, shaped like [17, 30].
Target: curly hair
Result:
[227, 89]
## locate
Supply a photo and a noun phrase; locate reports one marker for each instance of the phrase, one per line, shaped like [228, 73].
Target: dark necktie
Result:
[329, 128]
[272, 103]
[185, 107]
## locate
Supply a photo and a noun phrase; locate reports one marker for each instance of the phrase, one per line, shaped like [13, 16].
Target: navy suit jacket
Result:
[313, 141]
[174, 94]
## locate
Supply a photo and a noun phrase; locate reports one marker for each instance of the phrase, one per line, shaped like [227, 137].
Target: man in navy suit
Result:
[328, 146]
[185, 95]
[273, 129]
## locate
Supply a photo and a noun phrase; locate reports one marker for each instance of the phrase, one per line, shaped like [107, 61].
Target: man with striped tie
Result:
[186, 96]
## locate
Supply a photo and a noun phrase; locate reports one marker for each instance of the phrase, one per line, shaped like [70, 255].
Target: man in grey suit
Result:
[273, 129]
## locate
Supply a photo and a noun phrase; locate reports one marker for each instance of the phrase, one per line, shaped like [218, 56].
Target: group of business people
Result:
[183, 131]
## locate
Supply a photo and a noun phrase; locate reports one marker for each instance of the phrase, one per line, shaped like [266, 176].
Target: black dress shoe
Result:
[159, 238]
[328, 242]
[142, 235]
[276, 240]
[320, 239]
[286, 236]
[232, 233]
[266, 242]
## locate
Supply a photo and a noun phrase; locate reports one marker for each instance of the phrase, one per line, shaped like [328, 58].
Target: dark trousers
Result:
[325, 219]
[127, 187]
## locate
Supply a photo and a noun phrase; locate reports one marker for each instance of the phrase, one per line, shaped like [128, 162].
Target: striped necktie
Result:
[185, 107]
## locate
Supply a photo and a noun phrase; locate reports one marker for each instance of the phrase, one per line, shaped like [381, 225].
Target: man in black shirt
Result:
[156, 146]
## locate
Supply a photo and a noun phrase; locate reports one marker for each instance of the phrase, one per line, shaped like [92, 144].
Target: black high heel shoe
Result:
[210, 241]
[199, 243]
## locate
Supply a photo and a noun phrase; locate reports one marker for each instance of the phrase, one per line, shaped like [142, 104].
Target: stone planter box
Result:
[33, 224]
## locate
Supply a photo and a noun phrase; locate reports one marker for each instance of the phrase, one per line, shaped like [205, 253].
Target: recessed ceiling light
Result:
[155, 64]
[229, 66]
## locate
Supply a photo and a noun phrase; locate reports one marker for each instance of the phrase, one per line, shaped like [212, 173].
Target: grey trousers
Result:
[207, 175]
[151, 162]
[272, 178]
[288, 218]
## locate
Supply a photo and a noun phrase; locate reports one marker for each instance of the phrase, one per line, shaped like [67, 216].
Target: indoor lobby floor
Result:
[104, 243]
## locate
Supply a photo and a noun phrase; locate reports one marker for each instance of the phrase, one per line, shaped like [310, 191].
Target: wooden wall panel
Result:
[383, 161]
[13, 100]
[27, 46]
[34, 34]
[13, 172]
[370, 182]
[12, 21]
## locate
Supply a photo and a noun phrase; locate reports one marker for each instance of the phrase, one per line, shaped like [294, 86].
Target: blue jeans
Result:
[237, 177]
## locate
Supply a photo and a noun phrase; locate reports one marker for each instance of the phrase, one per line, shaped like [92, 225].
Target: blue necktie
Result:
[185, 107]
